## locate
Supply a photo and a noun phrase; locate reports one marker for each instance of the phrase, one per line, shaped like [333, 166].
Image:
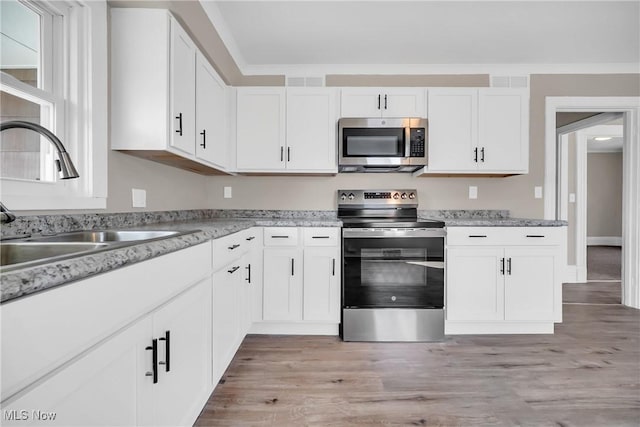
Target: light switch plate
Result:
[572, 197]
[473, 192]
[227, 192]
[537, 192]
[139, 198]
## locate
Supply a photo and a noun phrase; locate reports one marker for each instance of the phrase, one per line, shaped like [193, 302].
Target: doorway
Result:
[630, 110]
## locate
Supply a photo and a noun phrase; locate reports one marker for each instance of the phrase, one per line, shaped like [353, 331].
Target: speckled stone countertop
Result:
[486, 218]
[204, 224]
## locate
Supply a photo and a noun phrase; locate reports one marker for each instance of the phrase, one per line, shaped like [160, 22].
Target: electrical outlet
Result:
[473, 192]
[572, 197]
[537, 192]
[227, 192]
[138, 198]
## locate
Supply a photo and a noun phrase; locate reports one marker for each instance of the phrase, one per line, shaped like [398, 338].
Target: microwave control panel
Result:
[416, 142]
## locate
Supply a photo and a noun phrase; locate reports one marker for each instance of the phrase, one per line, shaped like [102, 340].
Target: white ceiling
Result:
[429, 36]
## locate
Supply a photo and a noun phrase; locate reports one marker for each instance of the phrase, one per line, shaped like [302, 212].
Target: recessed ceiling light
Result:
[602, 138]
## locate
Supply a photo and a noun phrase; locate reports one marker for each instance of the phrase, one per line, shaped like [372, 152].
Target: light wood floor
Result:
[586, 374]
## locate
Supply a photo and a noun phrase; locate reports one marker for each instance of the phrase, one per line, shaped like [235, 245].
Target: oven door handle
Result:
[368, 233]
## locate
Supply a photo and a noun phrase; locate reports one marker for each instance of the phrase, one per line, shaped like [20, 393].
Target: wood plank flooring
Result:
[586, 374]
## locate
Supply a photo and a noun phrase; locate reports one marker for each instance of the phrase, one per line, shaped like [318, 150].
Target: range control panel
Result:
[377, 197]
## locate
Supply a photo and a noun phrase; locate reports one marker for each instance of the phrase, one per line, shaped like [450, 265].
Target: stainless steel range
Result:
[393, 268]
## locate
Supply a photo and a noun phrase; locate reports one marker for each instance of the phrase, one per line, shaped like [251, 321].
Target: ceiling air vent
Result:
[510, 81]
[305, 81]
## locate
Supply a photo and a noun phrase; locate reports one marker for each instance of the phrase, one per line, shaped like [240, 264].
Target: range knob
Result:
[404, 196]
[343, 196]
[412, 196]
[396, 196]
[351, 196]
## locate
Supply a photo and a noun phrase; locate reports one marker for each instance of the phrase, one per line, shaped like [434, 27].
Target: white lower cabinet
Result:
[117, 384]
[301, 281]
[503, 280]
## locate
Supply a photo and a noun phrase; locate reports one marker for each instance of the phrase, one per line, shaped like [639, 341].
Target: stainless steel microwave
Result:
[382, 145]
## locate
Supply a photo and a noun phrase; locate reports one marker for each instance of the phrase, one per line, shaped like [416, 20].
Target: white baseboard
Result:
[604, 241]
[575, 274]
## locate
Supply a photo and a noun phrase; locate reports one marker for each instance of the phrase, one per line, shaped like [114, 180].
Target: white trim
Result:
[581, 205]
[497, 327]
[220, 24]
[294, 328]
[604, 241]
[571, 275]
[630, 106]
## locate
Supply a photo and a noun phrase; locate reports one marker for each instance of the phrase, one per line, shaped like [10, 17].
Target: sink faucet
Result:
[5, 214]
[65, 165]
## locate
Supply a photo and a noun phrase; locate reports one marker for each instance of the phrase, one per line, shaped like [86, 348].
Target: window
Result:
[53, 63]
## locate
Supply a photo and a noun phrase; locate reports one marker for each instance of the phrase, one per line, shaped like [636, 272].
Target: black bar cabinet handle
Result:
[248, 239]
[203, 144]
[292, 267]
[333, 267]
[232, 247]
[288, 154]
[167, 350]
[233, 269]
[179, 130]
[477, 235]
[482, 155]
[502, 266]
[475, 154]
[385, 102]
[154, 360]
[378, 101]
[281, 153]
[320, 237]
[279, 237]
[509, 266]
[535, 235]
[248, 279]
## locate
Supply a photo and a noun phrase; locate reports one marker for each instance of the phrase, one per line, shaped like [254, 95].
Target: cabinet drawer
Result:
[281, 236]
[228, 248]
[321, 236]
[521, 236]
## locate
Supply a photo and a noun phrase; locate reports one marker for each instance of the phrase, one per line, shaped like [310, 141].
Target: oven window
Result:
[393, 272]
[367, 142]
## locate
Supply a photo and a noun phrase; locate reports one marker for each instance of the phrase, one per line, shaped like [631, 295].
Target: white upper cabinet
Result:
[260, 130]
[382, 102]
[182, 89]
[483, 131]
[286, 130]
[211, 115]
[311, 129]
[164, 94]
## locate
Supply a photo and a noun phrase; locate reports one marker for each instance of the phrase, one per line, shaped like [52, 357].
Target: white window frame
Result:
[80, 104]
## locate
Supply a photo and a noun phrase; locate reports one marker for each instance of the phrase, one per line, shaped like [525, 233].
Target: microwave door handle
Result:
[407, 142]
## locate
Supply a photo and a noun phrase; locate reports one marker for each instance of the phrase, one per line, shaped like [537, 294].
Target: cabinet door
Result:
[226, 319]
[503, 131]
[360, 102]
[311, 129]
[183, 330]
[211, 114]
[260, 132]
[529, 285]
[397, 102]
[282, 284]
[475, 285]
[452, 141]
[183, 90]
[321, 284]
[107, 386]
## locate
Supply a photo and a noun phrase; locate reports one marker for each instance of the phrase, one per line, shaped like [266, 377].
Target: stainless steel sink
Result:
[31, 251]
[107, 236]
[28, 252]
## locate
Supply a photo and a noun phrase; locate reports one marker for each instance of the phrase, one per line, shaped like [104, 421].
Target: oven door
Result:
[393, 268]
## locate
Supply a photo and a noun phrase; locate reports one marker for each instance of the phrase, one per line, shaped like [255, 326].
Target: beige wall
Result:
[604, 194]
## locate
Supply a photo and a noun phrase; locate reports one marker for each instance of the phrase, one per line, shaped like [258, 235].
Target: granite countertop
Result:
[486, 218]
[29, 280]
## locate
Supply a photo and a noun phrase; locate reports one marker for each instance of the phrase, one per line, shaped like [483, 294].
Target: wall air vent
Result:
[305, 81]
[510, 81]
